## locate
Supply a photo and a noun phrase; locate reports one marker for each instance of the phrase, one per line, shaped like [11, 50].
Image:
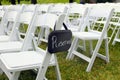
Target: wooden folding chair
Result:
[100, 15]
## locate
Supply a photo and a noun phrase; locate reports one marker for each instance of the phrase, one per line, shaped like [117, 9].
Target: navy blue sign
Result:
[59, 40]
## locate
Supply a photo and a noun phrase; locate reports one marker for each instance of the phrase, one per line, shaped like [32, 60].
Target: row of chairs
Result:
[23, 53]
[82, 20]
[73, 24]
[114, 22]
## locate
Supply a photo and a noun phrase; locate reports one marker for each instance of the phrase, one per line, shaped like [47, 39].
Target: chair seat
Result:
[73, 28]
[114, 23]
[4, 38]
[10, 46]
[22, 60]
[86, 35]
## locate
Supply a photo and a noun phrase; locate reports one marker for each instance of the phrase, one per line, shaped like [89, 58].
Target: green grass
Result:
[75, 69]
[39, 1]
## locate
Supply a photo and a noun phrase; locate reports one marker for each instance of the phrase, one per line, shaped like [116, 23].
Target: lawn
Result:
[75, 69]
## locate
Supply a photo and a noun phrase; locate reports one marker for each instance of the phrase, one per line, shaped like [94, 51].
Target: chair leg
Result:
[1, 72]
[112, 34]
[57, 69]
[91, 61]
[47, 31]
[84, 45]
[40, 35]
[116, 36]
[14, 76]
[75, 48]
[107, 50]
[72, 48]
[94, 55]
[91, 47]
[42, 70]
[106, 56]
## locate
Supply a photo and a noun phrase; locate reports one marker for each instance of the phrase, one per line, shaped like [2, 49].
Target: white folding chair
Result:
[54, 9]
[26, 18]
[75, 16]
[115, 21]
[58, 9]
[16, 41]
[13, 63]
[2, 11]
[46, 20]
[10, 16]
[103, 15]
[44, 8]
[117, 37]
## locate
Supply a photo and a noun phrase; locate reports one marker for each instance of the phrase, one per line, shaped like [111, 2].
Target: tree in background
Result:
[82, 2]
[92, 1]
[87, 1]
[0, 2]
[33, 1]
[13, 2]
[95, 1]
[71, 1]
[18, 1]
[103, 1]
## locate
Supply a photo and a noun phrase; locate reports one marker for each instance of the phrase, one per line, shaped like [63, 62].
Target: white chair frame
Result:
[93, 35]
[41, 58]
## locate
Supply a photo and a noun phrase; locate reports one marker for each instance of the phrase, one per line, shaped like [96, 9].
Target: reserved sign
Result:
[59, 40]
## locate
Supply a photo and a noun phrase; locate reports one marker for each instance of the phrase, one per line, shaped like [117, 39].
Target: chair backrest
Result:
[46, 20]
[22, 24]
[44, 8]
[98, 19]
[114, 22]
[116, 16]
[53, 9]
[58, 9]
[75, 16]
[10, 16]
[2, 11]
